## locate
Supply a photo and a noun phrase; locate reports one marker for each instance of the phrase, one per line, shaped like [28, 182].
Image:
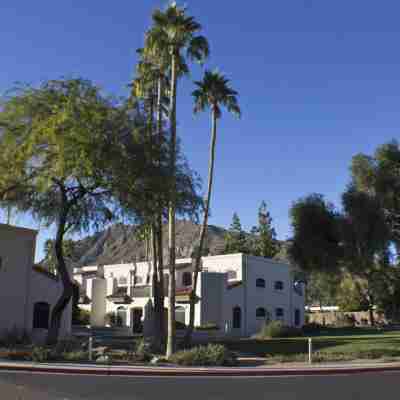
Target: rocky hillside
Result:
[119, 244]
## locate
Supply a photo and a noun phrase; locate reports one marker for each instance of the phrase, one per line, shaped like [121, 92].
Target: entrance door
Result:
[137, 325]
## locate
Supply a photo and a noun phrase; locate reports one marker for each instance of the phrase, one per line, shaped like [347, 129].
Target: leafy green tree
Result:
[316, 235]
[174, 30]
[380, 175]
[356, 240]
[322, 288]
[263, 238]
[235, 239]
[57, 141]
[365, 238]
[213, 92]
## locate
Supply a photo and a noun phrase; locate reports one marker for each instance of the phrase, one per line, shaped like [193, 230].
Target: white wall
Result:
[17, 248]
[20, 285]
[44, 288]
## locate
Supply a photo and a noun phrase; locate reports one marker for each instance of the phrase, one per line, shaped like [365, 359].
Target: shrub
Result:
[312, 327]
[41, 354]
[142, 351]
[210, 355]
[82, 318]
[75, 356]
[276, 329]
[345, 321]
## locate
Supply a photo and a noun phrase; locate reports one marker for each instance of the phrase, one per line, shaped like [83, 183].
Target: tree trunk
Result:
[157, 332]
[171, 212]
[203, 230]
[67, 293]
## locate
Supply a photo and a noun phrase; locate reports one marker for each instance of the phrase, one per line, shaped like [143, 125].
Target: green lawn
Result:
[330, 344]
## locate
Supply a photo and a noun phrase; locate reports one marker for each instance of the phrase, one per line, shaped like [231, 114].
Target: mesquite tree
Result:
[57, 141]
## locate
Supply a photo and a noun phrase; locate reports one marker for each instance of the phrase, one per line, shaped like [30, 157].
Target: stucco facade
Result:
[25, 289]
[235, 292]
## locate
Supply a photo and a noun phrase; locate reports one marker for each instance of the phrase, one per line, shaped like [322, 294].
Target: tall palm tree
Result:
[212, 92]
[174, 30]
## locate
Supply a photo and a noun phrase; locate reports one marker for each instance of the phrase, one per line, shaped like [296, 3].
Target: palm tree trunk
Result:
[171, 213]
[159, 218]
[203, 230]
[58, 309]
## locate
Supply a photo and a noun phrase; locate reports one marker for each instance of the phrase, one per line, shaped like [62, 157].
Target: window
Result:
[278, 285]
[122, 280]
[236, 318]
[261, 313]
[297, 317]
[279, 313]
[41, 314]
[260, 282]
[121, 316]
[187, 279]
[137, 280]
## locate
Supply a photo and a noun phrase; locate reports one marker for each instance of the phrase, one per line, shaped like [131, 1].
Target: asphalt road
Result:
[21, 386]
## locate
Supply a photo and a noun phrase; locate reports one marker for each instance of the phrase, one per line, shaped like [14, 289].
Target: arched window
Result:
[278, 285]
[236, 318]
[121, 316]
[261, 313]
[41, 314]
[187, 279]
[260, 282]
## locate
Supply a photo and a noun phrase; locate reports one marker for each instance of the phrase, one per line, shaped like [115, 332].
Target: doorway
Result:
[137, 325]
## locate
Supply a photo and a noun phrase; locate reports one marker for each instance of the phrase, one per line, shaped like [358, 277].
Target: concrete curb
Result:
[199, 372]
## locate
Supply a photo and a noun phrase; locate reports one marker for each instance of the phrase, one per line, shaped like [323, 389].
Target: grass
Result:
[329, 345]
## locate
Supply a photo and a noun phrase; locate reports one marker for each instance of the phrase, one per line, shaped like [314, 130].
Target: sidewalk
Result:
[275, 370]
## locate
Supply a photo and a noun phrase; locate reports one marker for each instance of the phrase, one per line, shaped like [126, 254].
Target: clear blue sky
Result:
[319, 81]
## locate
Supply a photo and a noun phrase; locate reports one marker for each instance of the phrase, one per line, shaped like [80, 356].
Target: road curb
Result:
[200, 372]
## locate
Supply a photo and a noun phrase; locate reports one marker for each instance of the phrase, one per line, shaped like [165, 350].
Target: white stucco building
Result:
[27, 292]
[236, 292]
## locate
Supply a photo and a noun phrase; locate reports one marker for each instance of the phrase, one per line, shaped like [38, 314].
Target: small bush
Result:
[75, 356]
[312, 327]
[276, 329]
[41, 354]
[82, 318]
[210, 355]
[345, 321]
[142, 351]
